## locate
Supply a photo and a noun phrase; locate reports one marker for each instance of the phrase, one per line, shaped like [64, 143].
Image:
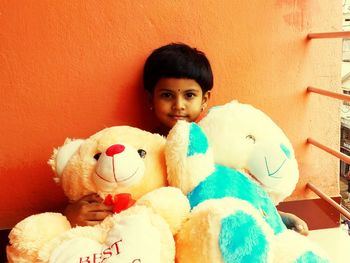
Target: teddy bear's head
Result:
[245, 138]
[114, 160]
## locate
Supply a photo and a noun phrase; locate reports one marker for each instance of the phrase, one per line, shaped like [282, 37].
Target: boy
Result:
[178, 80]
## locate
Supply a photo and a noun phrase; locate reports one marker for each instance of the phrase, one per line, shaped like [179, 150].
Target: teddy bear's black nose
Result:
[115, 149]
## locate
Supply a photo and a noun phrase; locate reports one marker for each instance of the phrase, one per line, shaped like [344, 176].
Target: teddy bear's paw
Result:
[170, 203]
[225, 230]
[188, 155]
[303, 250]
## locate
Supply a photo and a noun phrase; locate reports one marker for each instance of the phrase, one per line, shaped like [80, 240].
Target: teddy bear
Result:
[125, 166]
[235, 166]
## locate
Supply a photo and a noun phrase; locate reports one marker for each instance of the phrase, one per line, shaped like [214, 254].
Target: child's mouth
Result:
[178, 117]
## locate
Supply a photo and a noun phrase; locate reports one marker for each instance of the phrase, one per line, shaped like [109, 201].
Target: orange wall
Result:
[70, 68]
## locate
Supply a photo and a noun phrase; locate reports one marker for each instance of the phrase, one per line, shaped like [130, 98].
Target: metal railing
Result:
[338, 154]
[340, 34]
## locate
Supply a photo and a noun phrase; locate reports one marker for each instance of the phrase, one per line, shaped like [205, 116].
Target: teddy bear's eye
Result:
[142, 153]
[97, 156]
[250, 137]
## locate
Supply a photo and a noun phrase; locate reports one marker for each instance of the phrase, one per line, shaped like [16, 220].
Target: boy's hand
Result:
[295, 223]
[87, 211]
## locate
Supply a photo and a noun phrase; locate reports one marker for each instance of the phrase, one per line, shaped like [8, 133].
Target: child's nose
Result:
[115, 149]
[179, 104]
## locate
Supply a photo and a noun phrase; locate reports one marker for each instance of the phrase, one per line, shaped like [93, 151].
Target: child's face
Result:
[178, 99]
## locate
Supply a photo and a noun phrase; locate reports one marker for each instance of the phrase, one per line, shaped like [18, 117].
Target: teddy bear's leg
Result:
[188, 156]
[295, 248]
[32, 233]
[225, 230]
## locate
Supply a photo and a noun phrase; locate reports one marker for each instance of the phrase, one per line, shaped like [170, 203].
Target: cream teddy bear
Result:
[121, 164]
[235, 166]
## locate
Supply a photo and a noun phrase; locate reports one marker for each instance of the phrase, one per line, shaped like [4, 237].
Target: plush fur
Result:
[234, 167]
[115, 160]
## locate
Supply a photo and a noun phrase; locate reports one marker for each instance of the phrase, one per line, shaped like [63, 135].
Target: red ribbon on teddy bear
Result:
[119, 202]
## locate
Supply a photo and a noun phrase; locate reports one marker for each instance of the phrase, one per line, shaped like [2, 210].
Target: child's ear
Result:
[205, 99]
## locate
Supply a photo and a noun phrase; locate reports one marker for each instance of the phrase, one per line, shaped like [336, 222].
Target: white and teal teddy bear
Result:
[234, 167]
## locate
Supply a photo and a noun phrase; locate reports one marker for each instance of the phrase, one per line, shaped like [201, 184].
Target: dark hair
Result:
[177, 60]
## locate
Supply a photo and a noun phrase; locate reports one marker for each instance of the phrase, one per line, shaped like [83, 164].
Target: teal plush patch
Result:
[242, 239]
[198, 142]
[310, 257]
[226, 182]
[285, 150]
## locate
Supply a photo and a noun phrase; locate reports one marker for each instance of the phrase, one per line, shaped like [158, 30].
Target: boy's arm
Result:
[294, 222]
[87, 211]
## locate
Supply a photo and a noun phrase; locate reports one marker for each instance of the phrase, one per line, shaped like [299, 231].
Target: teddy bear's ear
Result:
[61, 156]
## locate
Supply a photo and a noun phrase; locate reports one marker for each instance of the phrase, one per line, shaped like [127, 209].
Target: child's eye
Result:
[190, 95]
[166, 95]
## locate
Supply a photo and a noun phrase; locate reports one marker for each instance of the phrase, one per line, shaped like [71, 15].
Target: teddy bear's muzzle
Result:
[120, 165]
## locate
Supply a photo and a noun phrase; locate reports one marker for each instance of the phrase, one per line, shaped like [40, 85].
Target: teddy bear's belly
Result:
[133, 239]
[226, 182]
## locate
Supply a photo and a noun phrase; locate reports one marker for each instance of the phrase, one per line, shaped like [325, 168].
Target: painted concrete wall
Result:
[70, 68]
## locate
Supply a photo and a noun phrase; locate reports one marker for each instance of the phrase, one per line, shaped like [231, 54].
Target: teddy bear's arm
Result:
[188, 155]
[170, 203]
